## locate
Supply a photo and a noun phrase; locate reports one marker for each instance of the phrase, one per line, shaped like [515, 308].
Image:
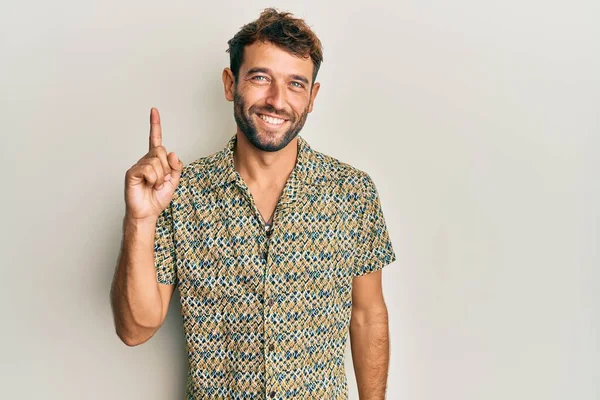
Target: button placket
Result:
[267, 311]
[271, 347]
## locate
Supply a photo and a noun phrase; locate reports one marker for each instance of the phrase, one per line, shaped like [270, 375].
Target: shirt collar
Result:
[301, 174]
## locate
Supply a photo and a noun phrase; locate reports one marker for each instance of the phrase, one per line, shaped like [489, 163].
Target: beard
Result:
[251, 131]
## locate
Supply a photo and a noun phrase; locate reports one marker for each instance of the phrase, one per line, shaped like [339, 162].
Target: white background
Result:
[478, 121]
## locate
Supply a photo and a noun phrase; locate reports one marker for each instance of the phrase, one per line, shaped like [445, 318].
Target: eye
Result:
[258, 76]
[299, 85]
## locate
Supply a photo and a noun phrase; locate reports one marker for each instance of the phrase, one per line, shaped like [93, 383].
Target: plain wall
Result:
[478, 121]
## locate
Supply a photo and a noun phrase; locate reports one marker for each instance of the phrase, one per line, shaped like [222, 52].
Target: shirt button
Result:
[264, 255]
[271, 302]
[272, 394]
[271, 347]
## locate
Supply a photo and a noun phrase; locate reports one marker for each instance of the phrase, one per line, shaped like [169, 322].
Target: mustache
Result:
[270, 110]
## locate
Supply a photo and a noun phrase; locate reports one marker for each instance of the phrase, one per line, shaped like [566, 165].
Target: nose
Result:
[276, 96]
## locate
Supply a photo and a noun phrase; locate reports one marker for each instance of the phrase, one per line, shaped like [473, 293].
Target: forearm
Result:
[369, 339]
[135, 297]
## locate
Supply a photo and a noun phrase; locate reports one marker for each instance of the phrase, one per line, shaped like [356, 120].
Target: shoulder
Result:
[333, 171]
[200, 173]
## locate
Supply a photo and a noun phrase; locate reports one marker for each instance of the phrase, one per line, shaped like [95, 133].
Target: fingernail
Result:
[168, 177]
[160, 187]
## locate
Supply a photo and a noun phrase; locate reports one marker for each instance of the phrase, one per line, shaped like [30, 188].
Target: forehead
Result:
[267, 55]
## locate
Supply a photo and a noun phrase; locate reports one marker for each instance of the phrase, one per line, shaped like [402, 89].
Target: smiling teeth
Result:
[271, 120]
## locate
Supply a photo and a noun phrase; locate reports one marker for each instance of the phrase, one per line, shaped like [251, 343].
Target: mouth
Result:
[270, 121]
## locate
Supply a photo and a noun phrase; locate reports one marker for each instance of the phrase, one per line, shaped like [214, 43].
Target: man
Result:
[276, 249]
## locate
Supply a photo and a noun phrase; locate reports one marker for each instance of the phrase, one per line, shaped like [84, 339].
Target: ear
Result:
[313, 95]
[228, 83]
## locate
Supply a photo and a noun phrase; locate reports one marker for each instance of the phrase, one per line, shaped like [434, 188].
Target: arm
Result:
[369, 336]
[139, 302]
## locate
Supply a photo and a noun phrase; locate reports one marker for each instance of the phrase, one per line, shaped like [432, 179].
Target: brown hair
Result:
[281, 29]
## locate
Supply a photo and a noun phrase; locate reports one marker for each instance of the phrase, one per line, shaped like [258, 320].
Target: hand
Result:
[151, 182]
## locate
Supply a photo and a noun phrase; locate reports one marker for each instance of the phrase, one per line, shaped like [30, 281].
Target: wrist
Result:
[140, 222]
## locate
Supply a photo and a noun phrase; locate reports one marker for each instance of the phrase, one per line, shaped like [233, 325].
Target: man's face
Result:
[272, 96]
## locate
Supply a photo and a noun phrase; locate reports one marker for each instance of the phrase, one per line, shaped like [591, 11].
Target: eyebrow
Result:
[268, 71]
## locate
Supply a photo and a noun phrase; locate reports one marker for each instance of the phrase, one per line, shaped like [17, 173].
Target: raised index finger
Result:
[155, 129]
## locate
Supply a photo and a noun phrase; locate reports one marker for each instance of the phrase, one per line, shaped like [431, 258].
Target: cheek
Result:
[250, 96]
[299, 106]
[254, 94]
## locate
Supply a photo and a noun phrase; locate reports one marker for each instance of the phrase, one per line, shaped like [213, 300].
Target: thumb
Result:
[176, 167]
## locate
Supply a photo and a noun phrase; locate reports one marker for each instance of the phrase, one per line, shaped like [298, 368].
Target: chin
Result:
[270, 141]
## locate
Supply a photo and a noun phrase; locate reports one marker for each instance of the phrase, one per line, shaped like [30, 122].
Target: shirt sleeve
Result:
[164, 248]
[374, 248]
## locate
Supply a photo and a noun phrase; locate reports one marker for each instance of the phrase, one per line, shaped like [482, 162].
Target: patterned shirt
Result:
[267, 316]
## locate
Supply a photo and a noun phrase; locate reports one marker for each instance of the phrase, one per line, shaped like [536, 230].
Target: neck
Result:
[262, 168]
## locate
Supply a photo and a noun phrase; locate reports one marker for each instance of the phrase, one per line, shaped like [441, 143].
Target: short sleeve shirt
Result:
[267, 316]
